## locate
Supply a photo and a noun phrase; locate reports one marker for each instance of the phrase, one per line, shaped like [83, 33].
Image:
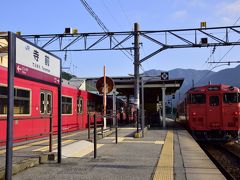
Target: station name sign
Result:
[36, 63]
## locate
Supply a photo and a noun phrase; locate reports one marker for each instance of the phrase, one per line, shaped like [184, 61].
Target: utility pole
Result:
[142, 109]
[163, 106]
[104, 98]
[136, 69]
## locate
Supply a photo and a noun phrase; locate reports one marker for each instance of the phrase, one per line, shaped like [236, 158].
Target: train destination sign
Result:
[33, 62]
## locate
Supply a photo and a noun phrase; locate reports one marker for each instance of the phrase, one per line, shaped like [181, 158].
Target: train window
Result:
[213, 100]
[214, 88]
[3, 100]
[198, 98]
[66, 105]
[49, 103]
[90, 106]
[45, 102]
[79, 105]
[230, 98]
[42, 103]
[21, 101]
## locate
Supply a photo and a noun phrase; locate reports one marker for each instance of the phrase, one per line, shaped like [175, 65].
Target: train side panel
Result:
[27, 105]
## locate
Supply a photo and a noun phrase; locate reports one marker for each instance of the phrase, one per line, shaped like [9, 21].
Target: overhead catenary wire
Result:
[220, 60]
[101, 24]
[124, 12]
[109, 11]
[217, 64]
[214, 48]
[105, 29]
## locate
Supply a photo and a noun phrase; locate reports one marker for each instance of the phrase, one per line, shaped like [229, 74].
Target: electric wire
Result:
[217, 64]
[219, 61]
[124, 12]
[114, 19]
[105, 29]
[214, 48]
[101, 24]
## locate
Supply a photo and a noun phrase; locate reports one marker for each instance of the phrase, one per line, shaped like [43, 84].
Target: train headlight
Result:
[194, 113]
[236, 113]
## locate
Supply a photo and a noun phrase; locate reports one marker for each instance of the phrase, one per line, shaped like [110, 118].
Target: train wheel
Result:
[198, 135]
[234, 134]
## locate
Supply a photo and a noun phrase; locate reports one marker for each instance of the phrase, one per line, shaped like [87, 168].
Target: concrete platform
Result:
[190, 161]
[162, 154]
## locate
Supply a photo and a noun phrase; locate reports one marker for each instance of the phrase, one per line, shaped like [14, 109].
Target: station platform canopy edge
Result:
[124, 85]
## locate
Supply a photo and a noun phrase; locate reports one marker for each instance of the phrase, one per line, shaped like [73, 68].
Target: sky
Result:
[52, 16]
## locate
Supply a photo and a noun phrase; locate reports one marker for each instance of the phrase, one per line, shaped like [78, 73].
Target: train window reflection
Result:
[49, 103]
[214, 100]
[66, 105]
[79, 105]
[197, 98]
[230, 98]
[91, 106]
[42, 97]
[21, 101]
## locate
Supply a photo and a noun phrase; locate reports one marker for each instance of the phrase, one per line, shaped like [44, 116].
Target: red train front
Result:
[212, 111]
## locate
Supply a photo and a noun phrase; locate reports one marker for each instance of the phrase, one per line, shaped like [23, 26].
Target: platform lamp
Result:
[18, 33]
[67, 30]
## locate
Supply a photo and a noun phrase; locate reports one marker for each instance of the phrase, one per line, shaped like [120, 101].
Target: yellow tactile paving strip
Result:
[133, 140]
[15, 148]
[127, 128]
[164, 169]
[46, 148]
[145, 142]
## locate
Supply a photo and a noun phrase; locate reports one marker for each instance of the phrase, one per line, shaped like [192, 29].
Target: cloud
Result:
[196, 3]
[182, 14]
[228, 12]
[189, 3]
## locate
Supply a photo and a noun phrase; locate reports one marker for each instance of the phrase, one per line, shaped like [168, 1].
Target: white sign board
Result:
[36, 63]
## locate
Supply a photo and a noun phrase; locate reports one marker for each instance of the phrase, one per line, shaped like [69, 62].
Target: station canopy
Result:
[125, 86]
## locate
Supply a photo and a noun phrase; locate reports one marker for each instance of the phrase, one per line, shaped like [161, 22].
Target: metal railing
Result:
[50, 133]
[95, 125]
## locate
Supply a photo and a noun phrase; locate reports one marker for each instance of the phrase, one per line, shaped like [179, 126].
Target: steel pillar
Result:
[136, 69]
[10, 105]
[142, 111]
[114, 107]
[163, 107]
[59, 145]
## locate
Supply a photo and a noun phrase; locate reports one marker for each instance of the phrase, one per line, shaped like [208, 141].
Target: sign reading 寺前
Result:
[36, 63]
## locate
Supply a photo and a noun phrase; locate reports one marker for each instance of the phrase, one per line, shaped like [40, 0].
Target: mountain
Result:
[67, 76]
[189, 75]
[230, 76]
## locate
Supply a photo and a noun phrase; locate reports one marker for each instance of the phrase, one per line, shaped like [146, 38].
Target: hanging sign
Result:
[36, 63]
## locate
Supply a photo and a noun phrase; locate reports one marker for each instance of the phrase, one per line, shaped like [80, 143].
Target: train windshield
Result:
[231, 97]
[197, 98]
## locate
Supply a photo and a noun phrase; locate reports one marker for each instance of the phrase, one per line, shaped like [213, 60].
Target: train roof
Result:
[214, 87]
[72, 84]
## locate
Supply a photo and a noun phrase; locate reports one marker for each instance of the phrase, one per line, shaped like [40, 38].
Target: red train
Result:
[34, 102]
[212, 111]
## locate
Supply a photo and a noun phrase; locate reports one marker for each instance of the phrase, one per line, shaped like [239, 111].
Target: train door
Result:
[80, 112]
[214, 112]
[45, 102]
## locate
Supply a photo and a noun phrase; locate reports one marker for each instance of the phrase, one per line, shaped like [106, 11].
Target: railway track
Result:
[226, 158]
